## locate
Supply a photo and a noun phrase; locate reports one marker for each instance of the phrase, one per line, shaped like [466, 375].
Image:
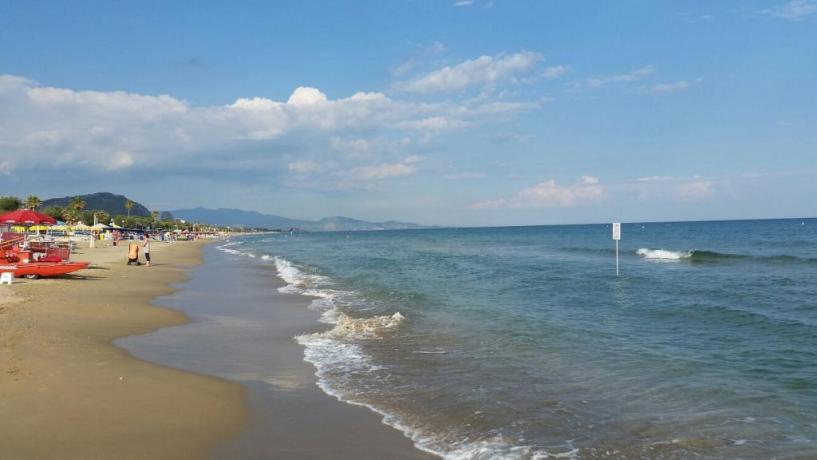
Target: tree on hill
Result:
[77, 204]
[55, 212]
[9, 203]
[103, 217]
[129, 206]
[33, 202]
[73, 213]
[70, 215]
[102, 201]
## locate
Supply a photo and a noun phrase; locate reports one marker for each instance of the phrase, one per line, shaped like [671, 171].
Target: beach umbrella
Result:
[26, 217]
[82, 226]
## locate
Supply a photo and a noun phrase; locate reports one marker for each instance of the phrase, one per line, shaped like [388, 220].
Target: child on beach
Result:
[146, 246]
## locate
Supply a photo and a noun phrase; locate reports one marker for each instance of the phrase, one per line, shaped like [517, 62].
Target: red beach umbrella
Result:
[27, 217]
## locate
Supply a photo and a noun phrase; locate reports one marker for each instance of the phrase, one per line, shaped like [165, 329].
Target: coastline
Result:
[246, 334]
[69, 392]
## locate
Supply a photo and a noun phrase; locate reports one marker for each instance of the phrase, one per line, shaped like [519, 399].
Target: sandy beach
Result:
[69, 393]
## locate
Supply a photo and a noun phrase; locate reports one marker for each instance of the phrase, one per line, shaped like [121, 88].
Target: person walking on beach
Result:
[146, 250]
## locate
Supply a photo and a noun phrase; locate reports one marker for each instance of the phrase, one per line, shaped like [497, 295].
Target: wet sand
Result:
[68, 393]
[243, 330]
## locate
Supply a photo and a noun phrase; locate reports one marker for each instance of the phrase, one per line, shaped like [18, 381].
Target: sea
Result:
[521, 342]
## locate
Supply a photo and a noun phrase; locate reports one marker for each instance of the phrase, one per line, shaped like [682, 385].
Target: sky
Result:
[461, 112]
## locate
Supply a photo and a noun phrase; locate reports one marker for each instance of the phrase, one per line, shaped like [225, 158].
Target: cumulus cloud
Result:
[483, 71]
[794, 10]
[548, 194]
[44, 128]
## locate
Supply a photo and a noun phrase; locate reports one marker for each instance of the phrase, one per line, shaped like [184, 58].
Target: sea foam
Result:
[338, 354]
[663, 254]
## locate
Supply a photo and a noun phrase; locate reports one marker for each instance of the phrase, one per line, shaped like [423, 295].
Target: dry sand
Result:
[66, 392]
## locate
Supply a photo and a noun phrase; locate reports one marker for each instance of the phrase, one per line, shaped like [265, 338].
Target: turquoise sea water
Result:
[522, 343]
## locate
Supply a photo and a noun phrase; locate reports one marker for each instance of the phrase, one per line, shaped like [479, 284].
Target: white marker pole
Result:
[616, 237]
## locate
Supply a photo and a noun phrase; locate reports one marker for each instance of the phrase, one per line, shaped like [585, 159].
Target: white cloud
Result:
[355, 148]
[656, 178]
[120, 160]
[433, 124]
[794, 10]
[483, 71]
[667, 88]
[673, 87]
[48, 128]
[305, 96]
[461, 3]
[550, 195]
[383, 171]
[635, 75]
[555, 71]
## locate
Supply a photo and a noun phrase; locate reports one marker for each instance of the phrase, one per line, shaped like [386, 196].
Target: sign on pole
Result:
[616, 237]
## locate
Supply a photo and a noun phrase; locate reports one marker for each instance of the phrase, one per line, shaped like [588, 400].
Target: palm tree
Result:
[77, 204]
[128, 206]
[154, 215]
[32, 202]
[71, 215]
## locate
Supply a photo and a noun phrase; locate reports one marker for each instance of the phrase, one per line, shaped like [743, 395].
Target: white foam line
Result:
[662, 254]
[322, 350]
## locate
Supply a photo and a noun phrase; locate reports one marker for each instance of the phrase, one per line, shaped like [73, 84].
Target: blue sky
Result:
[445, 112]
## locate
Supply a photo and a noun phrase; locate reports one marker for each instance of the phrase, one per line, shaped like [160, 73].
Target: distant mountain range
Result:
[102, 201]
[242, 218]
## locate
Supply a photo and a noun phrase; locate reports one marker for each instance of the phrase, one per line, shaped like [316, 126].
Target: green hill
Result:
[103, 201]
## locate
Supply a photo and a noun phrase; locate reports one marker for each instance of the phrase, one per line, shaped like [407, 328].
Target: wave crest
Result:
[349, 328]
[663, 254]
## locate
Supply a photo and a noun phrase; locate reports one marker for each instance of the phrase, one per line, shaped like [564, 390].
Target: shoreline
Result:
[70, 392]
[247, 334]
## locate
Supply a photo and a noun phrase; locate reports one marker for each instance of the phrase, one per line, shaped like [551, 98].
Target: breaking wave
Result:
[713, 256]
[338, 355]
[663, 254]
